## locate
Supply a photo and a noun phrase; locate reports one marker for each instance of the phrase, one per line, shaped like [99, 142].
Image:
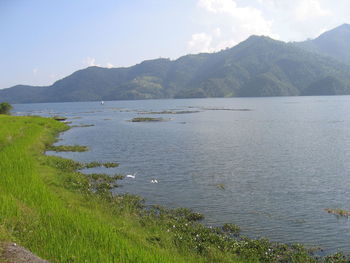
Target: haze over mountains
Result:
[258, 66]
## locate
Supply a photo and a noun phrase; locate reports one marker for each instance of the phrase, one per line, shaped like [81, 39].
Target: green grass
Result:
[59, 223]
[64, 216]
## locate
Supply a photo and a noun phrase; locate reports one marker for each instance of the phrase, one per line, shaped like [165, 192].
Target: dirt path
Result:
[12, 253]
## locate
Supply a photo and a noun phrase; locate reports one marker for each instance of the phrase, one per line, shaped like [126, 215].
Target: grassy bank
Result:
[47, 206]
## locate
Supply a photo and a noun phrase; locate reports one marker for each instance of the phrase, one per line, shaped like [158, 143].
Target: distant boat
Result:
[102, 102]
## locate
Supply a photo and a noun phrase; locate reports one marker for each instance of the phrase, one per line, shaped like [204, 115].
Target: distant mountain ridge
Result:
[258, 66]
[334, 43]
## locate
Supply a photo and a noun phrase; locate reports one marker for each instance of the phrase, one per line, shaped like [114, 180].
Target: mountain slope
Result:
[258, 66]
[334, 43]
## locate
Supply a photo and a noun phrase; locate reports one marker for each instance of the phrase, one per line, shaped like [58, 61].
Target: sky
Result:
[42, 41]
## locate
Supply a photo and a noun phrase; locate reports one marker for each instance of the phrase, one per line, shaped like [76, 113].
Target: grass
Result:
[64, 216]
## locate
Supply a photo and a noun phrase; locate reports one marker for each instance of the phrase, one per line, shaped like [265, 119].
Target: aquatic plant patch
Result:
[338, 212]
[169, 112]
[67, 148]
[148, 119]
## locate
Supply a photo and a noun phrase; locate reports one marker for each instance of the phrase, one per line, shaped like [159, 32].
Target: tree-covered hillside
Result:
[334, 43]
[258, 66]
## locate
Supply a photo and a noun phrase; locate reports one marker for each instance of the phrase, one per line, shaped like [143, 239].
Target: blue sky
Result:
[43, 41]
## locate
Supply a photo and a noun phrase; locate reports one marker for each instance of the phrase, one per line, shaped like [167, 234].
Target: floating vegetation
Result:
[121, 109]
[66, 165]
[225, 109]
[98, 164]
[169, 112]
[102, 184]
[67, 148]
[118, 177]
[221, 186]
[231, 228]
[176, 213]
[338, 212]
[92, 165]
[110, 164]
[82, 125]
[148, 119]
[105, 177]
[59, 118]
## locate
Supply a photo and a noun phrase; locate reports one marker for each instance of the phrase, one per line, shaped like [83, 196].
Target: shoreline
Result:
[161, 234]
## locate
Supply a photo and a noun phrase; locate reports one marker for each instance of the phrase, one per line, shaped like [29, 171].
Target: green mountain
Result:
[334, 43]
[258, 66]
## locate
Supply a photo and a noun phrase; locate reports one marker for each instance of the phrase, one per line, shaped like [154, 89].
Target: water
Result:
[281, 164]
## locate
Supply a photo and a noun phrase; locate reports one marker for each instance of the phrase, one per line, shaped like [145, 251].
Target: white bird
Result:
[102, 102]
[155, 181]
[131, 176]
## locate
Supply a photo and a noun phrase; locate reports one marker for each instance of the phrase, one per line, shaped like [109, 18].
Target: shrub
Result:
[5, 108]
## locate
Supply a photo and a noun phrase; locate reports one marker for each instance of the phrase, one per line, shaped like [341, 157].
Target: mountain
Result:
[334, 43]
[258, 66]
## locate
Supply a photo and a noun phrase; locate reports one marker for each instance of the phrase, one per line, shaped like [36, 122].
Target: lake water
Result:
[272, 170]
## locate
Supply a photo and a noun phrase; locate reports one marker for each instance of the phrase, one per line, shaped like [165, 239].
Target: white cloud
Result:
[90, 62]
[217, 32]
[218, 6]
[224, 23]
[230, 24]
[246, 17]
[200, 42]
[309, 9]
[301, 19]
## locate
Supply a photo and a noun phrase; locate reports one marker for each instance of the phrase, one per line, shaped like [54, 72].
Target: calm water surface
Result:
[281, 163]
